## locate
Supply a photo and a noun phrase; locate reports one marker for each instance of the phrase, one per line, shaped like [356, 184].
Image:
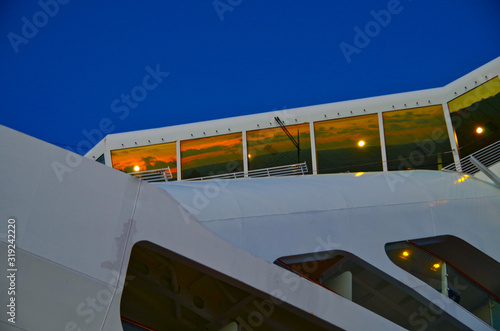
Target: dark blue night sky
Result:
[71, 66]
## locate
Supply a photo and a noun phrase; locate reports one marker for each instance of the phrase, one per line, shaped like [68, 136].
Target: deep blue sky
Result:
[263, 55]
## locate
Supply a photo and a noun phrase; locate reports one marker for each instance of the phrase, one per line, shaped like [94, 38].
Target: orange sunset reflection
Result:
[145, 158]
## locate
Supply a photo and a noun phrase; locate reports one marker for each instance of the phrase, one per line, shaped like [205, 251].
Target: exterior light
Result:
[361, 143]
[137, 168]
[404, 255]
[479, 130]
[435, 266]
[359, 174]
[249, 155]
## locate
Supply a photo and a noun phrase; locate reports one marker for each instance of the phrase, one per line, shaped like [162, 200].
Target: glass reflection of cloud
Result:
[146, 158]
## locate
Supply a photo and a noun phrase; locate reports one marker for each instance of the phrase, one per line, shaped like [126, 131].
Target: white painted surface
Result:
[75, 238]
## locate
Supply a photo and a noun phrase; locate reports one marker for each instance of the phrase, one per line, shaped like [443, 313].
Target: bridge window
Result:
[476, 117]
[143, 158]
[417, 138]
[348, 144]
[272, 147]
[212, 155]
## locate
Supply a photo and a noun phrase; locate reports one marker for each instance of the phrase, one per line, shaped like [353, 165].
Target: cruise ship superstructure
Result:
[380, 213]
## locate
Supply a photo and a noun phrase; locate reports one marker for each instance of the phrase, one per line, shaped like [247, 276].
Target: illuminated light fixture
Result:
[479, 130]
[137, 168]
[361, 143]
[249, 155]
[404, 255]
[435, 266]
[359, 174]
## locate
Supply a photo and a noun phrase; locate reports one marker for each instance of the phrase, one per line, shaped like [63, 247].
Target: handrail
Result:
[154, 175]
[488, 156]
[297, 169]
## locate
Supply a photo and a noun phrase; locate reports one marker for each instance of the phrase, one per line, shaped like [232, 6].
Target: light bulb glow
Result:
[479, 130]
[361, 143]
[406, 254]
[137, 168]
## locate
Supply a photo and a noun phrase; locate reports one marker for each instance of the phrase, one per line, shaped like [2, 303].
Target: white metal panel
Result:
[76, 233]
[232, 199]
[66, 207]
[51, 296]
[161, 220]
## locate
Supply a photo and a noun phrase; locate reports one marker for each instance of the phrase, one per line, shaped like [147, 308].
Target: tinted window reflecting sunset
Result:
[146, 158]
[212, 155]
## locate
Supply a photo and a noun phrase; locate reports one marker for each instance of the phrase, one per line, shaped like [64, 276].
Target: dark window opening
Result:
[100, 159]
[456, 269]
[165, 291]
[363, 284]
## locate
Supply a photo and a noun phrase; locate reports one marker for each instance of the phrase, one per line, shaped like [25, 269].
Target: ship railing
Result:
[297, 169]
[488, 156]
[155, 175]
